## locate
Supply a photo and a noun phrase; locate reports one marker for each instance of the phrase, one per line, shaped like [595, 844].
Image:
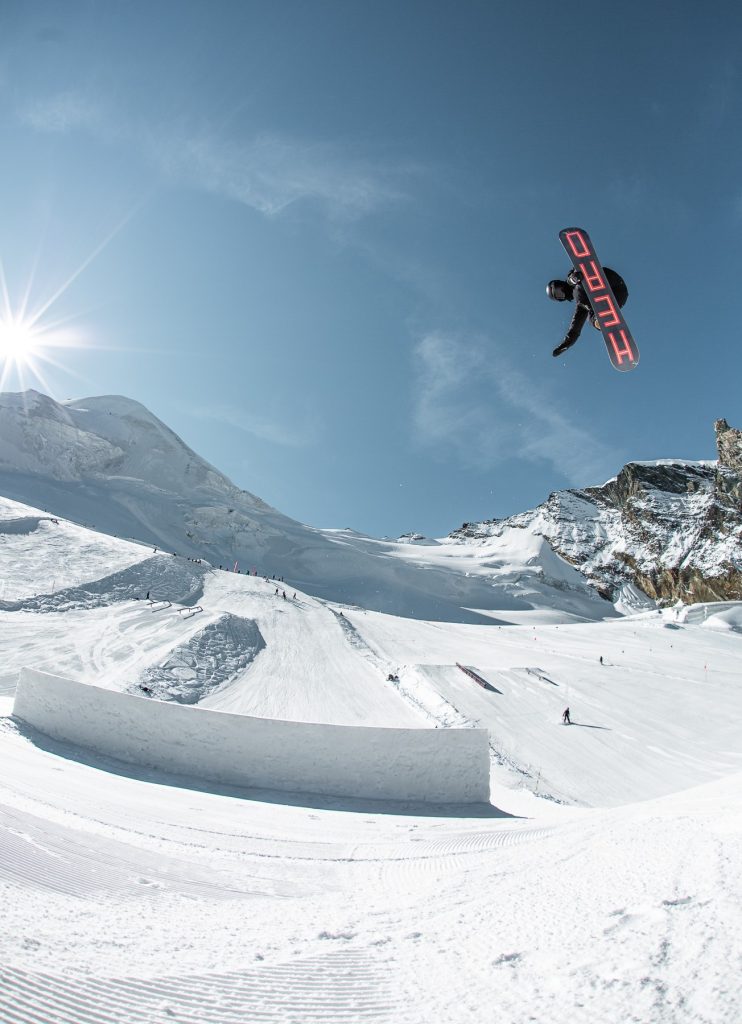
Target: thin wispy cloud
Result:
[293, 434]
[470, 402]
[270, 173]
[61, 113]
[267, 172]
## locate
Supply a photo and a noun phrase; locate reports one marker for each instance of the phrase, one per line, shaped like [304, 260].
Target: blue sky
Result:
[314, 237]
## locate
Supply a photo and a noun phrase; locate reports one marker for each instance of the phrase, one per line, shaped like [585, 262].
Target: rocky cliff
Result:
[671, 529]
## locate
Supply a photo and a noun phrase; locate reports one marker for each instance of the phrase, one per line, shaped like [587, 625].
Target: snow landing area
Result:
[603, 883]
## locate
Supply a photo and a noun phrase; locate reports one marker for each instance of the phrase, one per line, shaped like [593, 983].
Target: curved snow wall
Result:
[431, 765]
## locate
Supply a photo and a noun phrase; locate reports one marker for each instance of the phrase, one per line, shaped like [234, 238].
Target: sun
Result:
[18, 340]
[29, 341]
[28, 345]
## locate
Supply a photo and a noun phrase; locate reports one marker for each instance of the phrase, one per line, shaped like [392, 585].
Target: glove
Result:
[574, 277]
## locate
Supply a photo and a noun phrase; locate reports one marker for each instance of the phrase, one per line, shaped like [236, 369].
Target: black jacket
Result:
[583, 309]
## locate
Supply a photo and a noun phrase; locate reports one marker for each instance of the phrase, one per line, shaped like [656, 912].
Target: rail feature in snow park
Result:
[469, 671]
[190, 611]
[428, 765]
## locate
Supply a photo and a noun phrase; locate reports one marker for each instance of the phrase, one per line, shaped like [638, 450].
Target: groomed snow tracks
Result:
[342, 987]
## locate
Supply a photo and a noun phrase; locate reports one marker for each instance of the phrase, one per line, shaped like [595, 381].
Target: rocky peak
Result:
[729, 446]
[671, 528]
[638, 478]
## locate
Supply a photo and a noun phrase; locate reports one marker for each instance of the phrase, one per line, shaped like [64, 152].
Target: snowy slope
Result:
[35, 553]
[106, 631]
[134, 895]
[143, 899]
[109, 463]
[636, 714]
[235, 643]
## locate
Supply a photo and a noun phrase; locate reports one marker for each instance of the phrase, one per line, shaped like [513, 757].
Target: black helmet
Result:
[559, 291]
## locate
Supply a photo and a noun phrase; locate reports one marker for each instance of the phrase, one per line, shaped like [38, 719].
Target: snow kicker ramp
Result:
[430, 765]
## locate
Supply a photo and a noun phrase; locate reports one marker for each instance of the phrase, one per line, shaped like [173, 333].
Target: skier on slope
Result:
[565, 717]
[572, 288]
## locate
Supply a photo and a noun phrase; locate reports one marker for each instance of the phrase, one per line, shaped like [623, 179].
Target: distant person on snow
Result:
[565, 717]
[572, 288]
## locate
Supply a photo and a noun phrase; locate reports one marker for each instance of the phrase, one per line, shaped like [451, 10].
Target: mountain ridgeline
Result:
[671, 528]
[110, 464]
[658, 532]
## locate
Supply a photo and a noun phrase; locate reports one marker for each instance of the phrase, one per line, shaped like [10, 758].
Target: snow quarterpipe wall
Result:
[430, 765]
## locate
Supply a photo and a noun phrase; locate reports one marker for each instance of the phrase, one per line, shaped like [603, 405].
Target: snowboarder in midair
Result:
[565, 717]
[572, 288]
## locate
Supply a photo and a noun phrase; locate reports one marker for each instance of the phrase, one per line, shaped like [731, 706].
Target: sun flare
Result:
[18, 339]
[30, 342]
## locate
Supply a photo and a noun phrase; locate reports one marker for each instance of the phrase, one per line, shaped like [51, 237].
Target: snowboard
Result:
[622, 349]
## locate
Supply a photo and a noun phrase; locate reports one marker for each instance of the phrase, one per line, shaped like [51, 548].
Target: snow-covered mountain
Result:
[658, 531]
[109, 463]
[669, 530]
[111, 438]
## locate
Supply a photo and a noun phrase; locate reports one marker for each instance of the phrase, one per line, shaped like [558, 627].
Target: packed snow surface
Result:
[603, 883]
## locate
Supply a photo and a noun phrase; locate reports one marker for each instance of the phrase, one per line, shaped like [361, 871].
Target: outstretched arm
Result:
[578, 322]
